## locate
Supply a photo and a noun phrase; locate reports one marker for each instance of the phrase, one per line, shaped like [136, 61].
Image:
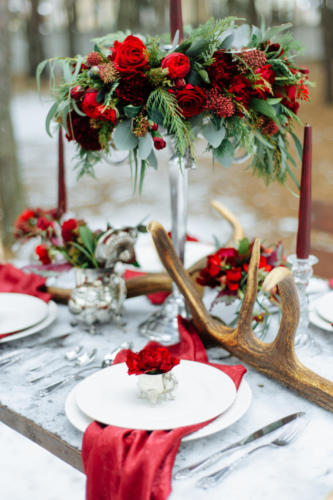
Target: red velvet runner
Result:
[127, 464]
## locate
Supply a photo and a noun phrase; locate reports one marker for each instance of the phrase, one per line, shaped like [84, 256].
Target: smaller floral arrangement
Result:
[152, 359]
[227, 270]
[73, 240]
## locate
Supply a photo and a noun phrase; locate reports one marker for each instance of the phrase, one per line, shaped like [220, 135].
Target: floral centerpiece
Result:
[134, 94]
[153, 365]
[227, 271]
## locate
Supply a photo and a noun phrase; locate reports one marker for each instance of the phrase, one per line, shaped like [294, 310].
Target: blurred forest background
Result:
[32, 30]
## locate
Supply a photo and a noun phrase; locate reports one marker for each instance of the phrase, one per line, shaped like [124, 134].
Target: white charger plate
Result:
[110, 396]
[316, 320]
[51, 316]
[19, 311]
[324, 307]
[239, 407]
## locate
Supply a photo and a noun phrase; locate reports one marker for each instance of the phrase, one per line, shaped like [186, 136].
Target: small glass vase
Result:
[302, 272]
[157, 387]
[98, 297]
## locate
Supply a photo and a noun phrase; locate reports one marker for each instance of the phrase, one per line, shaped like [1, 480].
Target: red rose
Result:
[26, 215]
[89, 103]
[68, 228]
[129, 55]
[241, 87]
[234, 274]
[44, 223]
[159, 143]
[228, 254]
[134, 88]
[263, 264]
[192, 100]
[178, 65]
[77, 92]
[233, 287]
[80, 130]
[43, 254]
[153, 127]
[106, 114]
[152, 358]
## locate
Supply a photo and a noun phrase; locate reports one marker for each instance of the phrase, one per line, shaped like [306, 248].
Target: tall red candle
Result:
[304, 212]
[176, 19]
[62, 197]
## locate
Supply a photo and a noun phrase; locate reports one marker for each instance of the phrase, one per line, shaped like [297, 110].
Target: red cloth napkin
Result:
[127, 464]
[14, 280]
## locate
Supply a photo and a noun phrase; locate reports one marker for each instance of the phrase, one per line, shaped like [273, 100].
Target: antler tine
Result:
[201, 318]
[285, 339]
[238, 231]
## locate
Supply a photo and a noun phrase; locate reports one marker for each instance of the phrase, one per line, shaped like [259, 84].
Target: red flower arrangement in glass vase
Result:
[227, 270]
[152, 359]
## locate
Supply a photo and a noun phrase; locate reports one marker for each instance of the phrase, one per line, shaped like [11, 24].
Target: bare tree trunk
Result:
[160, 10]
[252, 12]
[201, 11]
[71, 25]
[326, 23]
[35, 45]
[128, 14]
[11, 191]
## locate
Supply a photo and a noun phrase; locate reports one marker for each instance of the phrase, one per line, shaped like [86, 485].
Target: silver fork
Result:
[71, 355]
[283, 439]
[84, 359]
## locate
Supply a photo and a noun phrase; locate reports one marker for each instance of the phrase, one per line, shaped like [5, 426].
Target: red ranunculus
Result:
[67, 229]
[43, 254]
[178, 65]
[129, 55]
[151, 359]
[106, 114]
[89, 104]
[77, 92]
[134, 88]
[159, 143]
[192, 100]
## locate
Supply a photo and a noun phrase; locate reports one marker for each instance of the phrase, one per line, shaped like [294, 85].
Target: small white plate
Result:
[317, 321]
[110, 396]
[240, 406]
[19, 311]
[324, 307]
[51, 316]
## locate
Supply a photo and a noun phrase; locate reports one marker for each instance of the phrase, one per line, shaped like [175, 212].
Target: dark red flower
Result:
[159, 143]
[77, 92]
[151, 359]
[43, 254]
[222, 70]
[153, 127]
[241, 87]
[26, 215]
[89, 104]
[134, 88]
[67, 229]
[234, 274]
[44, 223]
[178, 65]
[192, 100]
[129, 55]
[106, 114]
[80, 130]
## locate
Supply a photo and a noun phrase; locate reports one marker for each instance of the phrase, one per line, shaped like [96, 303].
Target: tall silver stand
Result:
[162, 325]
[302, 272]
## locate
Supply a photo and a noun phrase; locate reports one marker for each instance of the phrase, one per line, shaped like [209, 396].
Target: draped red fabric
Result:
[127, 464]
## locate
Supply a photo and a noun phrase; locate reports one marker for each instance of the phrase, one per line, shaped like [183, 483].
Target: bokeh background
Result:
[31, 30]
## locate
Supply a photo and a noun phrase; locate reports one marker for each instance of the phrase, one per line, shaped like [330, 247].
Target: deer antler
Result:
[276, 359]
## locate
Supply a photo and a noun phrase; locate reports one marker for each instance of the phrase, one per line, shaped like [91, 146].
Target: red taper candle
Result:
[304, 212]
[62, 197]
[176, 19]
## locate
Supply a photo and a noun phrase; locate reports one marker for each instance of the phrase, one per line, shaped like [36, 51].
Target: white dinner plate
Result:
[149, 260]
[19, 311]
[110, 396]
[239, 407]
[317, 321]
[51, 316]
[324, 307]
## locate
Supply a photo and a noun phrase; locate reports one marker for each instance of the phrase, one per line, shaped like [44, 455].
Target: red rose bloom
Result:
[89, 103]
[44, 223]
[134, 88]
[234, 274]
[129, 55]
[26, 215]
[106, 114]
[77, 92]
[241, 87]
[79, 130]
[178, 65]
[151, 359]
[68, 228]
[192, 100]
[159, 143]
[43, 254]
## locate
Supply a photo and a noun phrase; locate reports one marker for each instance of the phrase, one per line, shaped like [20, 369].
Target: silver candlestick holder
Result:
[302, 272]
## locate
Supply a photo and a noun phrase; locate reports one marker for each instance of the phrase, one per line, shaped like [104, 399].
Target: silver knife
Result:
[207, 462]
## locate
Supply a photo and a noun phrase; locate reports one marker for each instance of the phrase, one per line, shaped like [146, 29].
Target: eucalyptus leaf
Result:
[244, 246]
[78, 66]
[131, 111]
[227, 42]
[264, 108]
[224, 154]
[155, 116]
[77, 109]
[241, 36]
[298, 145]
[145, 146]
[67, 72]
[273, 100]
[204, 75]
[213, 135]
[152, 160]
[123, 137]
[194, 78]
[197, 47]
[39, 71]
[51, 114]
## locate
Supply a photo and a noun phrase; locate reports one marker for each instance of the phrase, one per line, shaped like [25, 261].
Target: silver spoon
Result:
[69, 355]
